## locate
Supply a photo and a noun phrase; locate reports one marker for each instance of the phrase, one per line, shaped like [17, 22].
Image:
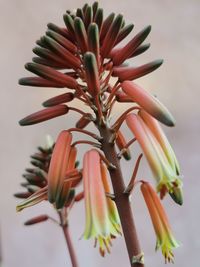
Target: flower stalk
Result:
[82, 58]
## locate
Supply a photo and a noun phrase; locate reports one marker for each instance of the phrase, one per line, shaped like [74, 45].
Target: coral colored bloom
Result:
[153, 125]
[58, 165]
[166, 177]
[165, 238]
[157, 131]
[99, 221]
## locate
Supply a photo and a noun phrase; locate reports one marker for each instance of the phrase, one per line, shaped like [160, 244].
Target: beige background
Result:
[175, 37]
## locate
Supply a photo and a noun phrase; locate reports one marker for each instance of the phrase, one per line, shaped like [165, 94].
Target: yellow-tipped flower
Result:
[166, 176]
[165, 238]
[153, 125]
[113, 213]
[102, 222]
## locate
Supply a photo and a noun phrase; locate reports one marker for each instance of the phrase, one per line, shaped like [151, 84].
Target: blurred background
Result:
[175, 37]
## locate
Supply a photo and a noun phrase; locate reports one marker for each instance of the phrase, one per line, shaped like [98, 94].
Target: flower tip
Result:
[147, 29]
[168, 120]
[21, 81]
[158, 62]
[22, 122]
[177, 195]
[19, 208]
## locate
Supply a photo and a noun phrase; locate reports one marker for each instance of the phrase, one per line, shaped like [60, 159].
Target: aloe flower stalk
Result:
[84, 57]
[165, 238]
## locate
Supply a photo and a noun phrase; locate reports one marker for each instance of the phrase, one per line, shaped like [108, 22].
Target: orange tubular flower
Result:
[165, 238]
[70, 165]
[148, 102]
[157, 131]
[58, 165]
[166, 176]
[101, 220]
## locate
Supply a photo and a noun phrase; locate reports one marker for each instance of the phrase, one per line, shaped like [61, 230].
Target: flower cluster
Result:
[84, 57]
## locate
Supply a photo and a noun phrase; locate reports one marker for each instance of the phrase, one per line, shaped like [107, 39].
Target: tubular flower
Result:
[157, 131]
[153, 125]
[166, 176]
[113, 213]
[102, 222]
[58, 165]
[165, 238]
[148, 102]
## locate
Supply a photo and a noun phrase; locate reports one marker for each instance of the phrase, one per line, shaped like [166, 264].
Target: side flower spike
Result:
[165, 176]
[58, 165]
[165, 238]
[98, 220]
[148, 102]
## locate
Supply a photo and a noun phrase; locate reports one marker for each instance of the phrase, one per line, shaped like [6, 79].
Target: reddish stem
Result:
[67, 236]
[121, 199]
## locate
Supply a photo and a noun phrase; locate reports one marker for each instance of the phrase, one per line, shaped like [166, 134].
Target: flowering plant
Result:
[87, 59]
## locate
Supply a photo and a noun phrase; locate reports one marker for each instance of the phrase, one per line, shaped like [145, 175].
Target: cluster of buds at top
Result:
[85, 57]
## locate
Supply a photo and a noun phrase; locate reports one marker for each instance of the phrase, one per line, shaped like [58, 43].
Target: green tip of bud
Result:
[90, 61]
[127, 155]
[177, 195]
